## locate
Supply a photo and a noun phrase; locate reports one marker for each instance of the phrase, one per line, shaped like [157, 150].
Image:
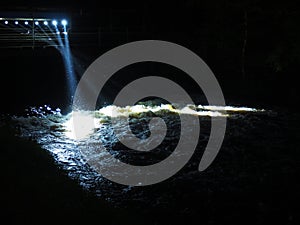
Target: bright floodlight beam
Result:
[54, 22]
[26, 22]
[46, 23]
[36, 23]
[16, 22]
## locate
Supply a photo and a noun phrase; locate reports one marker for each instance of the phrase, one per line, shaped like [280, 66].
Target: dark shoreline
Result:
[37, 192]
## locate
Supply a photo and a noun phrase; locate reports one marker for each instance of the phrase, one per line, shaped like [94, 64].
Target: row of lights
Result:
[54, 23]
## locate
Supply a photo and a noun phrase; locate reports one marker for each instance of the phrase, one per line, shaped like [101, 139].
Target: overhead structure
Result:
[28, 29]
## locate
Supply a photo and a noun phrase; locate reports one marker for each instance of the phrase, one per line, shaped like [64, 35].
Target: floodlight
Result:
[64, 22]
[54, 22]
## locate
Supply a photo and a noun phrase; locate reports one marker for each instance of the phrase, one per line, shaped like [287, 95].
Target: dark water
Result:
[255, 165]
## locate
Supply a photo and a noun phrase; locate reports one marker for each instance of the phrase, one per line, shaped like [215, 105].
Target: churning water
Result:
[54, 132]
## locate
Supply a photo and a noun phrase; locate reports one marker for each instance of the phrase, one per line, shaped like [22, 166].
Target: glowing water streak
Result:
[137, 110]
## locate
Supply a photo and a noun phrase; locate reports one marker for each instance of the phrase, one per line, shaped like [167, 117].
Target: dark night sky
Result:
[215, 30]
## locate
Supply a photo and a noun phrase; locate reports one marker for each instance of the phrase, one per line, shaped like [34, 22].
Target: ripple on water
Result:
[54, 132]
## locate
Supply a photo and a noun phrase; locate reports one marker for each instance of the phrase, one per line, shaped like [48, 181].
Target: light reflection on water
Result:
[114, 111]
[55, 133]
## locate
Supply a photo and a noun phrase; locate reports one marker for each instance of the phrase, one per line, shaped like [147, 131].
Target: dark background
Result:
[253, 48]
